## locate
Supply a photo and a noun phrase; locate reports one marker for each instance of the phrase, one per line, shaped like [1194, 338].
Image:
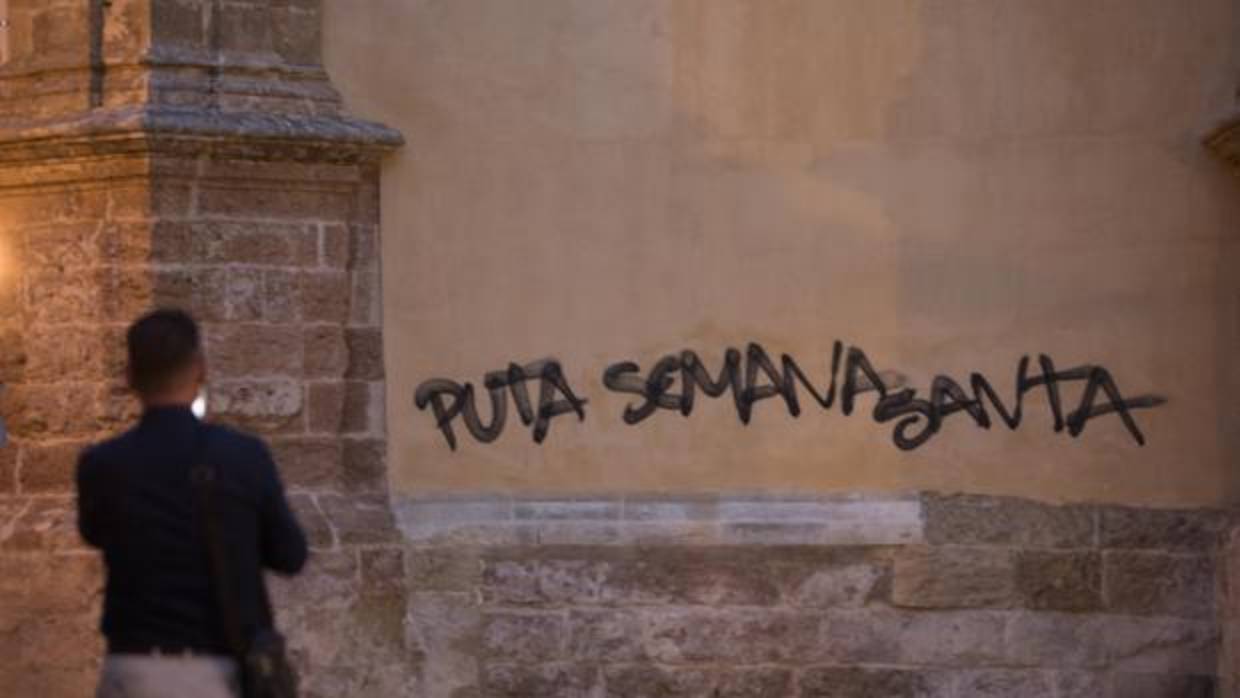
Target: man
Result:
[137, 503]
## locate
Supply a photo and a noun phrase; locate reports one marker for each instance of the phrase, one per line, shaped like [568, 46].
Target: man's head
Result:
[166, 364]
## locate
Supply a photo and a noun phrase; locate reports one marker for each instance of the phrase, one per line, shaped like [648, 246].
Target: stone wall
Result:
[171, 158]
[844, 597]
[1229, 618]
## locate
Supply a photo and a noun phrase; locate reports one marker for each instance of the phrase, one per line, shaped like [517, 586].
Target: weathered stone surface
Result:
[359, 519]
[1160, 584]
[605, 636]
[523, 637]
[363, 465]
[544, 680]
[446, 628]
[748, 636]
[326, 353]
[255, 350]
[270, 406]
[980, 520]
[1004, 683]
[365, 354]
[628, 681]
[1059, 581]
[1079, 684]
[309, 461]
[954, 577]
[1065, 640]
[45, 524]
[1162, 686]
[1194, 531]
[443, 569]
[959, 638]
[49, 468]
[1160, 645]
[312, 520]
[857, 682]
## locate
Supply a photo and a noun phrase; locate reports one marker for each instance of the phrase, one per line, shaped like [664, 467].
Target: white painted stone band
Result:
[660, 519]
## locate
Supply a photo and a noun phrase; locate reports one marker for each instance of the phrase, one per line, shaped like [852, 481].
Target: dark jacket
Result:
[136, 502]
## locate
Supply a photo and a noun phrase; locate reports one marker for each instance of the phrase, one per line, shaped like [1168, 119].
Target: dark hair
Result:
[162, 344]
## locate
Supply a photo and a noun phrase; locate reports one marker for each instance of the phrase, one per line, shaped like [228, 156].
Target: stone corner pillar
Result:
[192, 153]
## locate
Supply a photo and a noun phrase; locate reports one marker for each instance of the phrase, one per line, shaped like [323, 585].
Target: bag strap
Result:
[204, 474]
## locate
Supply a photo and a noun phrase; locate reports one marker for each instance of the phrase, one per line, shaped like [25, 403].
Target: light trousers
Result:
[168, 676]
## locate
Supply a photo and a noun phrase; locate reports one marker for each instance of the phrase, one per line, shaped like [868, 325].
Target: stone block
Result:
[201, 291]
[330, 579]
[1182, 530]
[335, 245]
[363, 408]
[48, 410]
[238, 350]
[325, 296]
[359, 518]
[611, 636]
[1004, 683]
[243, 295]
[268, 406]
[309, 462]
[245, 28]
[280, 203]
[1146, 583]
[65, 245]
[1160, 645]
[45, 525]
[860, 682]
[56, 353]
[1162, 686]
[525, 637]
[296, 34]
[954, 638]
[313, 521]
[383, 571]
[653, 681]
[365, 360]
[845, 578]
[64, 295]
[325, 402]
[265, 243]
[862, 636]
[1079, 684]
[446, 629]
[180, 24]
[954, 577]
[708, 576]
[558, 680]
[49, 468]
[543, 581]
[364, 465]
[734, 635]
[984, 520]
[453, 568]
[1059, 581]
[8, 477]
[1057, 640]
[326, 353]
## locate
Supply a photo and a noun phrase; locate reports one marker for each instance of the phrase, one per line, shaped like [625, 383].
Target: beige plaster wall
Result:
[946, 184]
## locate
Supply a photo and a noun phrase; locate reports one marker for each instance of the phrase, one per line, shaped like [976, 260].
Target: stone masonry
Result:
[191, 153]
[841, 597]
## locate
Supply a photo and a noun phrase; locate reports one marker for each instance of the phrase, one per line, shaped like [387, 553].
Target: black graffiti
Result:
[449, 399]
[754, 376]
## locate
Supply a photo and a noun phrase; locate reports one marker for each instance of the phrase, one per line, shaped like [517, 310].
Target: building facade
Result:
[659, 348]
